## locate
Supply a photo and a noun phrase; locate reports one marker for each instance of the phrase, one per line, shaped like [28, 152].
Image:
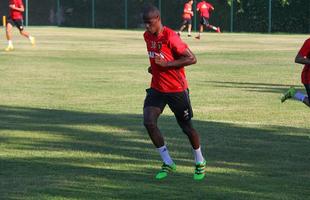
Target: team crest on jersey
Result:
[159, 45]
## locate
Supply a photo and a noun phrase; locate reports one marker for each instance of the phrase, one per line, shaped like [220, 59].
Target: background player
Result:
[303, 57]
[204, 9]
[16, 9]
[168, 55]
[187, 18]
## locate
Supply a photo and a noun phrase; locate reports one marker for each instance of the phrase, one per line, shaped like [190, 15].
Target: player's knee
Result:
[187, 128]
[150, 125]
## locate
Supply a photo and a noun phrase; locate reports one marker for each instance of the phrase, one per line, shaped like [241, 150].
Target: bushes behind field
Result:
[249, 15]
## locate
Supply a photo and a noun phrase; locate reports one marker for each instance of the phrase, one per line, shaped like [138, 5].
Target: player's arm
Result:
[300, 59]
[186, 58]
[21, 9]
[302, 56]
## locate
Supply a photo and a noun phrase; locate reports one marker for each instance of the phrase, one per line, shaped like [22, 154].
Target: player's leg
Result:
[150, 117]
[306, 99]
[200, 32]
[8, 32]
[153, 106]
[20, 26]
[182, 27]
[189, 28]
[180, 105]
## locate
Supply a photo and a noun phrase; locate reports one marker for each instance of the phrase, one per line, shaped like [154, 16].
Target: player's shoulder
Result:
[146, 35]
[307, 40]
[168, 32]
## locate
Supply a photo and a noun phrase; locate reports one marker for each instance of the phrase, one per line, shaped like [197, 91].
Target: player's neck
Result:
[161, 29]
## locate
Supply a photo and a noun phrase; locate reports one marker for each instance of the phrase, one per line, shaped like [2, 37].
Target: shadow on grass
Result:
[255, 87]
[80, 155]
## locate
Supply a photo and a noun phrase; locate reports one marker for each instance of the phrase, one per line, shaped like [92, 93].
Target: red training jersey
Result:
[305, 52]
[168, 45]
[205, 8]
[187, 12]
[14, 14]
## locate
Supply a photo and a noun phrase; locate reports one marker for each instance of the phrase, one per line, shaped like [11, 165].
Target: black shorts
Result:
[204, 21]
[187, 22]
[307, 86]
[178, 102]
[18, 23]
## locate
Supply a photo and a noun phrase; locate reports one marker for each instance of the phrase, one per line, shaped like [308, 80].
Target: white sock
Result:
[198, 155]
[164, 154]
[214, 28]
[10, 43]
[30, 37]
[300, 96]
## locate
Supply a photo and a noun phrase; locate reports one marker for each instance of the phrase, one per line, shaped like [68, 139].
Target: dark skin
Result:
[305, 61]
[151, 114]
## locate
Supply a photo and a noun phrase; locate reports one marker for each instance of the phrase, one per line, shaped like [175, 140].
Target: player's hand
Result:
[149, 70]
[159, 60]
[192, 13]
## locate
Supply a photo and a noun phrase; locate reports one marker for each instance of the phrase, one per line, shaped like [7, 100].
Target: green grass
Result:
[71, 119]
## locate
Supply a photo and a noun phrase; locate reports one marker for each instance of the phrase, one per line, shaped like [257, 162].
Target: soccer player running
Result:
[187, 18]
[204, 9]
[303, 57]
[16, 9]
[168, 55]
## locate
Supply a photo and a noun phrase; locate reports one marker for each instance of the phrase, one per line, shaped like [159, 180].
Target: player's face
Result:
[191, 2]
[152, 24]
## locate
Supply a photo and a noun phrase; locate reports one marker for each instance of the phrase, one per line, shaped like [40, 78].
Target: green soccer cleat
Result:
[200, 171]
[289, 94]
[165, 169]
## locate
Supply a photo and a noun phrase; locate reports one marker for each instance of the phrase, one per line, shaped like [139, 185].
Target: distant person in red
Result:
[168, 56]
[204, 9]
[302, 57]
[187, 18]
[15, 18]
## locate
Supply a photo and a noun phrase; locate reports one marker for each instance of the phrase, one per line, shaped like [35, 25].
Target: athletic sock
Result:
[198, 155]
[214, 28]
[30, 37]
[10, 43]
[164, 154]
[300, 96]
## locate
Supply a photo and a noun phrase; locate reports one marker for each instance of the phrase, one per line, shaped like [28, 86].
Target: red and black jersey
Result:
[168, 45]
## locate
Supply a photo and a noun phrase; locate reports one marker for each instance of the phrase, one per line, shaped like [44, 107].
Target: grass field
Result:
[71, 123]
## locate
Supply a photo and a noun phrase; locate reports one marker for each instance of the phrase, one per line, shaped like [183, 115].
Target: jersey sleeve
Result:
[305, 49]
[176, 44]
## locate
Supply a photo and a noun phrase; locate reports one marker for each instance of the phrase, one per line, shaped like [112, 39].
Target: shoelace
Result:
[165, 168]
[200, 169]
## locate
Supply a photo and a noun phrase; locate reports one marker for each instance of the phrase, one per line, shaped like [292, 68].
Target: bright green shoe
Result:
[289, 94]
[165, 169]
[200, 171]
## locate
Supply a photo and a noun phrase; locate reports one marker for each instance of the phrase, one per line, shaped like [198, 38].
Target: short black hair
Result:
[150, 11]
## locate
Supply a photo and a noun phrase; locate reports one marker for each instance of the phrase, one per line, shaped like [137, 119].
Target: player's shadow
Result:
[83, 155]
[254, 87]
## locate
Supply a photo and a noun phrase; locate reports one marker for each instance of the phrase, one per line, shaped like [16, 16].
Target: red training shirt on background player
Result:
[187, 12]
[204, 9]
[15, 14]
